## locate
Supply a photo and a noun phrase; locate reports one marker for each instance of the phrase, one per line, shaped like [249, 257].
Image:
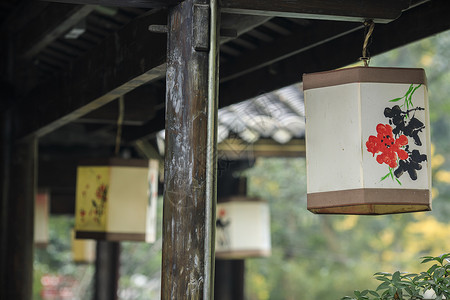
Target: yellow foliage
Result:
[347, 223]
[273, 187]
[261, 286]
[420, 215]
[443, 176]
[388, 256]
[426, 60]
[434, 193]
[387, 237]
[437, 161]
[434, 236]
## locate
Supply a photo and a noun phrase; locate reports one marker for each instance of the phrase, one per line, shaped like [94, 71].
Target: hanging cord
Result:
[119, 125]
[369, 26]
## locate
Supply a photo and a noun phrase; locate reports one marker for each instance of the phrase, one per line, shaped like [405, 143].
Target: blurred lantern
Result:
[41, 213]
[83, 251]
[367, 141]
[242, 228]
[116, 200]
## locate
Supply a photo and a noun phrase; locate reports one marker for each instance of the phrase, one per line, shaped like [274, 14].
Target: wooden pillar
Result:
[107, 270]
[229, 279]
[19, 174]
[190, 161]
[5, 157]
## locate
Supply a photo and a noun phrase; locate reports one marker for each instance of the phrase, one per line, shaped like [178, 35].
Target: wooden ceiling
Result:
[63, 89]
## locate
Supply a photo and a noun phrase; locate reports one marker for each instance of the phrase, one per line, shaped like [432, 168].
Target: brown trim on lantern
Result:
[242, 254]
[114, 162]
[364, 74]
[40, 245]
[369, 201]
[110, 236]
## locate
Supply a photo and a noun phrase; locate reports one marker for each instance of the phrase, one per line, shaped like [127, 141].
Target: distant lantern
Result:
[41, 214]
[242, 228]
[83, 251]
[367, 141]
[116, 200]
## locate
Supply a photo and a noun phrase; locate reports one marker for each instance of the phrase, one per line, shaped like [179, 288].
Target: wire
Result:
[119, 125]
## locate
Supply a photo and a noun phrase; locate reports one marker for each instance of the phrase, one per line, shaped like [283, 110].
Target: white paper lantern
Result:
[367, 141]
[83, 250]
[242, 228]
[41, 214]
[116, 200]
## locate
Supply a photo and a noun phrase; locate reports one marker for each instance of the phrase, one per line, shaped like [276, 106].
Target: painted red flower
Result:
[101, 192]
[386, 146]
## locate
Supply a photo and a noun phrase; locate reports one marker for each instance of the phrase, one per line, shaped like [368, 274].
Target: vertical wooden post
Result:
[190, 162]
[5, 156]
[107, 270]
[18, 198]
[229, 279]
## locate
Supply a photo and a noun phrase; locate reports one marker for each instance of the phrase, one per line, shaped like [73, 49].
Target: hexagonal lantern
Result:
[41, 214]
[367, 141]
[242, 228]
[116, 200]
[83, 250]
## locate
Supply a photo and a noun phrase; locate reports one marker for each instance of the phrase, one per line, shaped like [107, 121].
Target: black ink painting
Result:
[391, 145]
[222, 229]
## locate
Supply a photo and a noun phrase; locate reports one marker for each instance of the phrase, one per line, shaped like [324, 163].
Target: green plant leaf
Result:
[385, 176]
[373, 293]
[396, 99]
[396, 276]
[409, 90]
[383, 286]
[427, 259]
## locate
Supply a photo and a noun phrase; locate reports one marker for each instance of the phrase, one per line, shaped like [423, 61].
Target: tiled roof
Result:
[279, 115]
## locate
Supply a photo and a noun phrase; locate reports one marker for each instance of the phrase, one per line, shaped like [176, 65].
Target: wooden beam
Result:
[381, 11]
[413, 25]
[189, 189]
[313, 35]
[141, 105]
[131, 57]
[54, 21]
[23, 12]
[125, 3]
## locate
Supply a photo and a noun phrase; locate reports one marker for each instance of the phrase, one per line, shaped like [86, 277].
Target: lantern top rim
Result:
[364, 74]
[114, 162]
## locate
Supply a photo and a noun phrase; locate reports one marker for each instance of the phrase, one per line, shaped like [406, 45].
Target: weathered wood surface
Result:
[349, 10]
[125, 3]
[286, 46]
[18, 201]
[130, 58]
[187, 262]
[54, 21]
